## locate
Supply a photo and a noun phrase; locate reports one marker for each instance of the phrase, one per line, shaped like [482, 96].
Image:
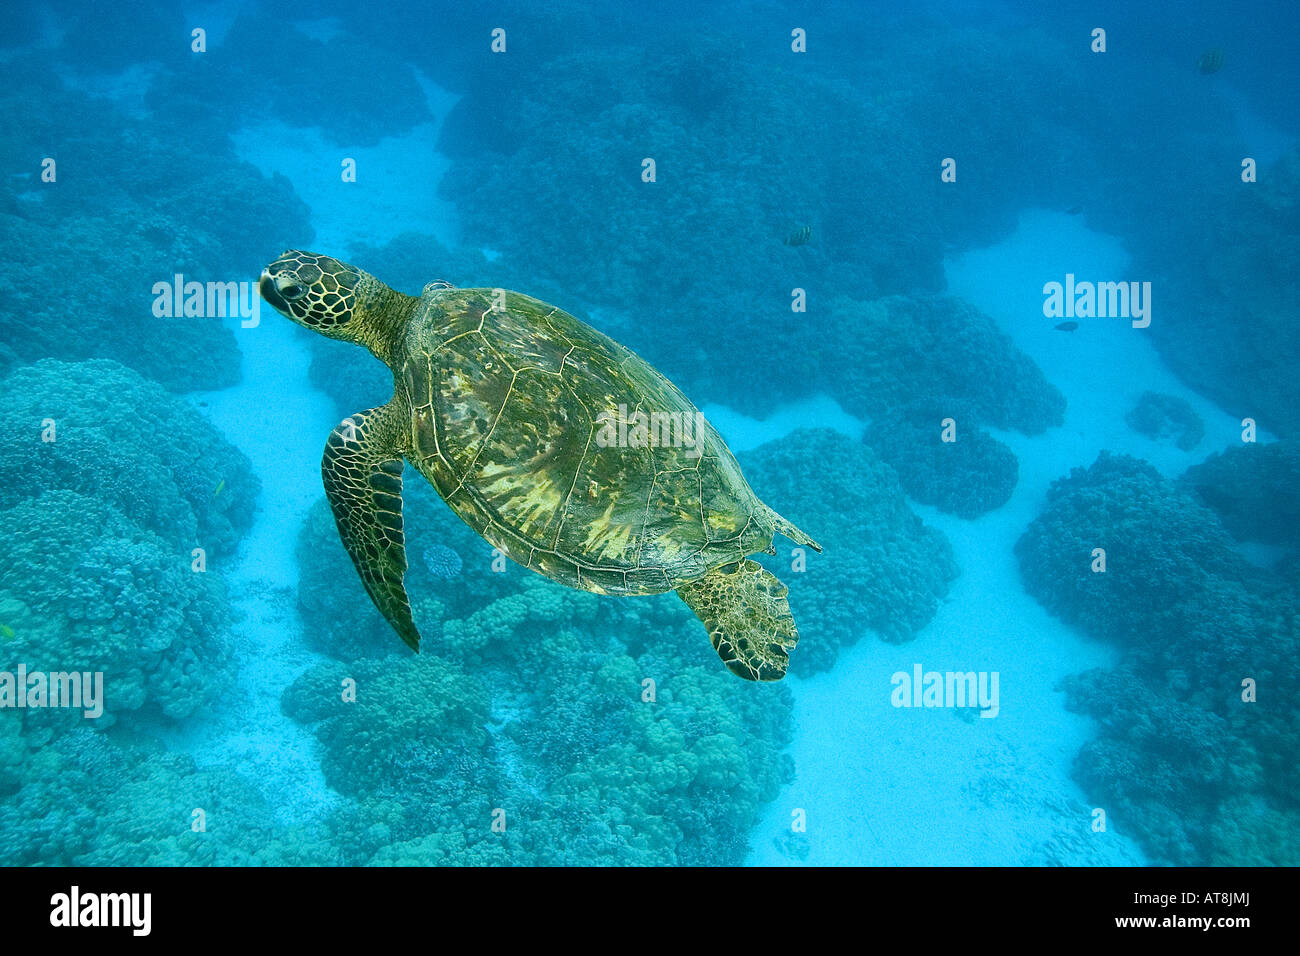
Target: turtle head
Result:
[335, 299]
[317, 292]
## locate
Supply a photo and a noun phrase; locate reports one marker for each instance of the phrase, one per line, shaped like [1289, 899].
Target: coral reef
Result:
[1225, 268]
[968, 477]
[935, 357]
[1184, 754]
[1161, 766]
[917, 361]
[98, 799]
[106, 231]
[1166, 417]
[746, 145]
[442, 562]
[1171, 569]
[97, 528]
[529, 704]
[370, 94]
[551, 730]
[351, 377]
[94, 44]
[84, 588]
[415, 705]
[126, 441]
[1254, 489]
[702, 242]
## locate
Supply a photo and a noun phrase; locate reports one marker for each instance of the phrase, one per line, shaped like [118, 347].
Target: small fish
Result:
[799, 237]
[221, 486]
[1211, 61]
[1074, 210]
[7, 632]
[1067, 326]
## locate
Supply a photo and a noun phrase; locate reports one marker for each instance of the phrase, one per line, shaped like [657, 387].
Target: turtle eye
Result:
[293, 292]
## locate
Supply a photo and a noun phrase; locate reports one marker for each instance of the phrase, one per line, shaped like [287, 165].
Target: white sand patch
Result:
[396, 188]
[917, 787]
[275, 418]
[1103, 366]
[280, 422]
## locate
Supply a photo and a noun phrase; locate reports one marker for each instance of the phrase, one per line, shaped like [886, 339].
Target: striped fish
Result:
[799, 237]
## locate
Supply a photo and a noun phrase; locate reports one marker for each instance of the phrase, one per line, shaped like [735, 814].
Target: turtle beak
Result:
[271, 293]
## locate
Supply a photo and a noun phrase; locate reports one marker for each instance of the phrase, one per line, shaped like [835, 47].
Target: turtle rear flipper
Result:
[362, 470]
[744, 607]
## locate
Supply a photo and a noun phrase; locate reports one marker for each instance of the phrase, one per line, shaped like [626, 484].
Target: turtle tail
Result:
[793, 533]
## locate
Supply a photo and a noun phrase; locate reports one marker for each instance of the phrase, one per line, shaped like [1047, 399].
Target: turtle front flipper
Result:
[744, 607]
[362, 469]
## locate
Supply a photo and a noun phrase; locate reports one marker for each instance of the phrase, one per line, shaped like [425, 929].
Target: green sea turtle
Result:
[563, 449]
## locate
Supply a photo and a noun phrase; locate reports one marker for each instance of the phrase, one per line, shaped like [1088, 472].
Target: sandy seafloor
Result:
[878, 785]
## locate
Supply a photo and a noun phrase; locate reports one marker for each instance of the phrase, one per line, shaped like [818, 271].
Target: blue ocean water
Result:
[995, 302]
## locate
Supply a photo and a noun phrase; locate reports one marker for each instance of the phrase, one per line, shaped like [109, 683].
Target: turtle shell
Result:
[567, 451]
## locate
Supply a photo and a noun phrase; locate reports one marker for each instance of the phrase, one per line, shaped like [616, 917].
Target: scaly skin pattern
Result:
[748, 618]
[505, 407]
[363, 482]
